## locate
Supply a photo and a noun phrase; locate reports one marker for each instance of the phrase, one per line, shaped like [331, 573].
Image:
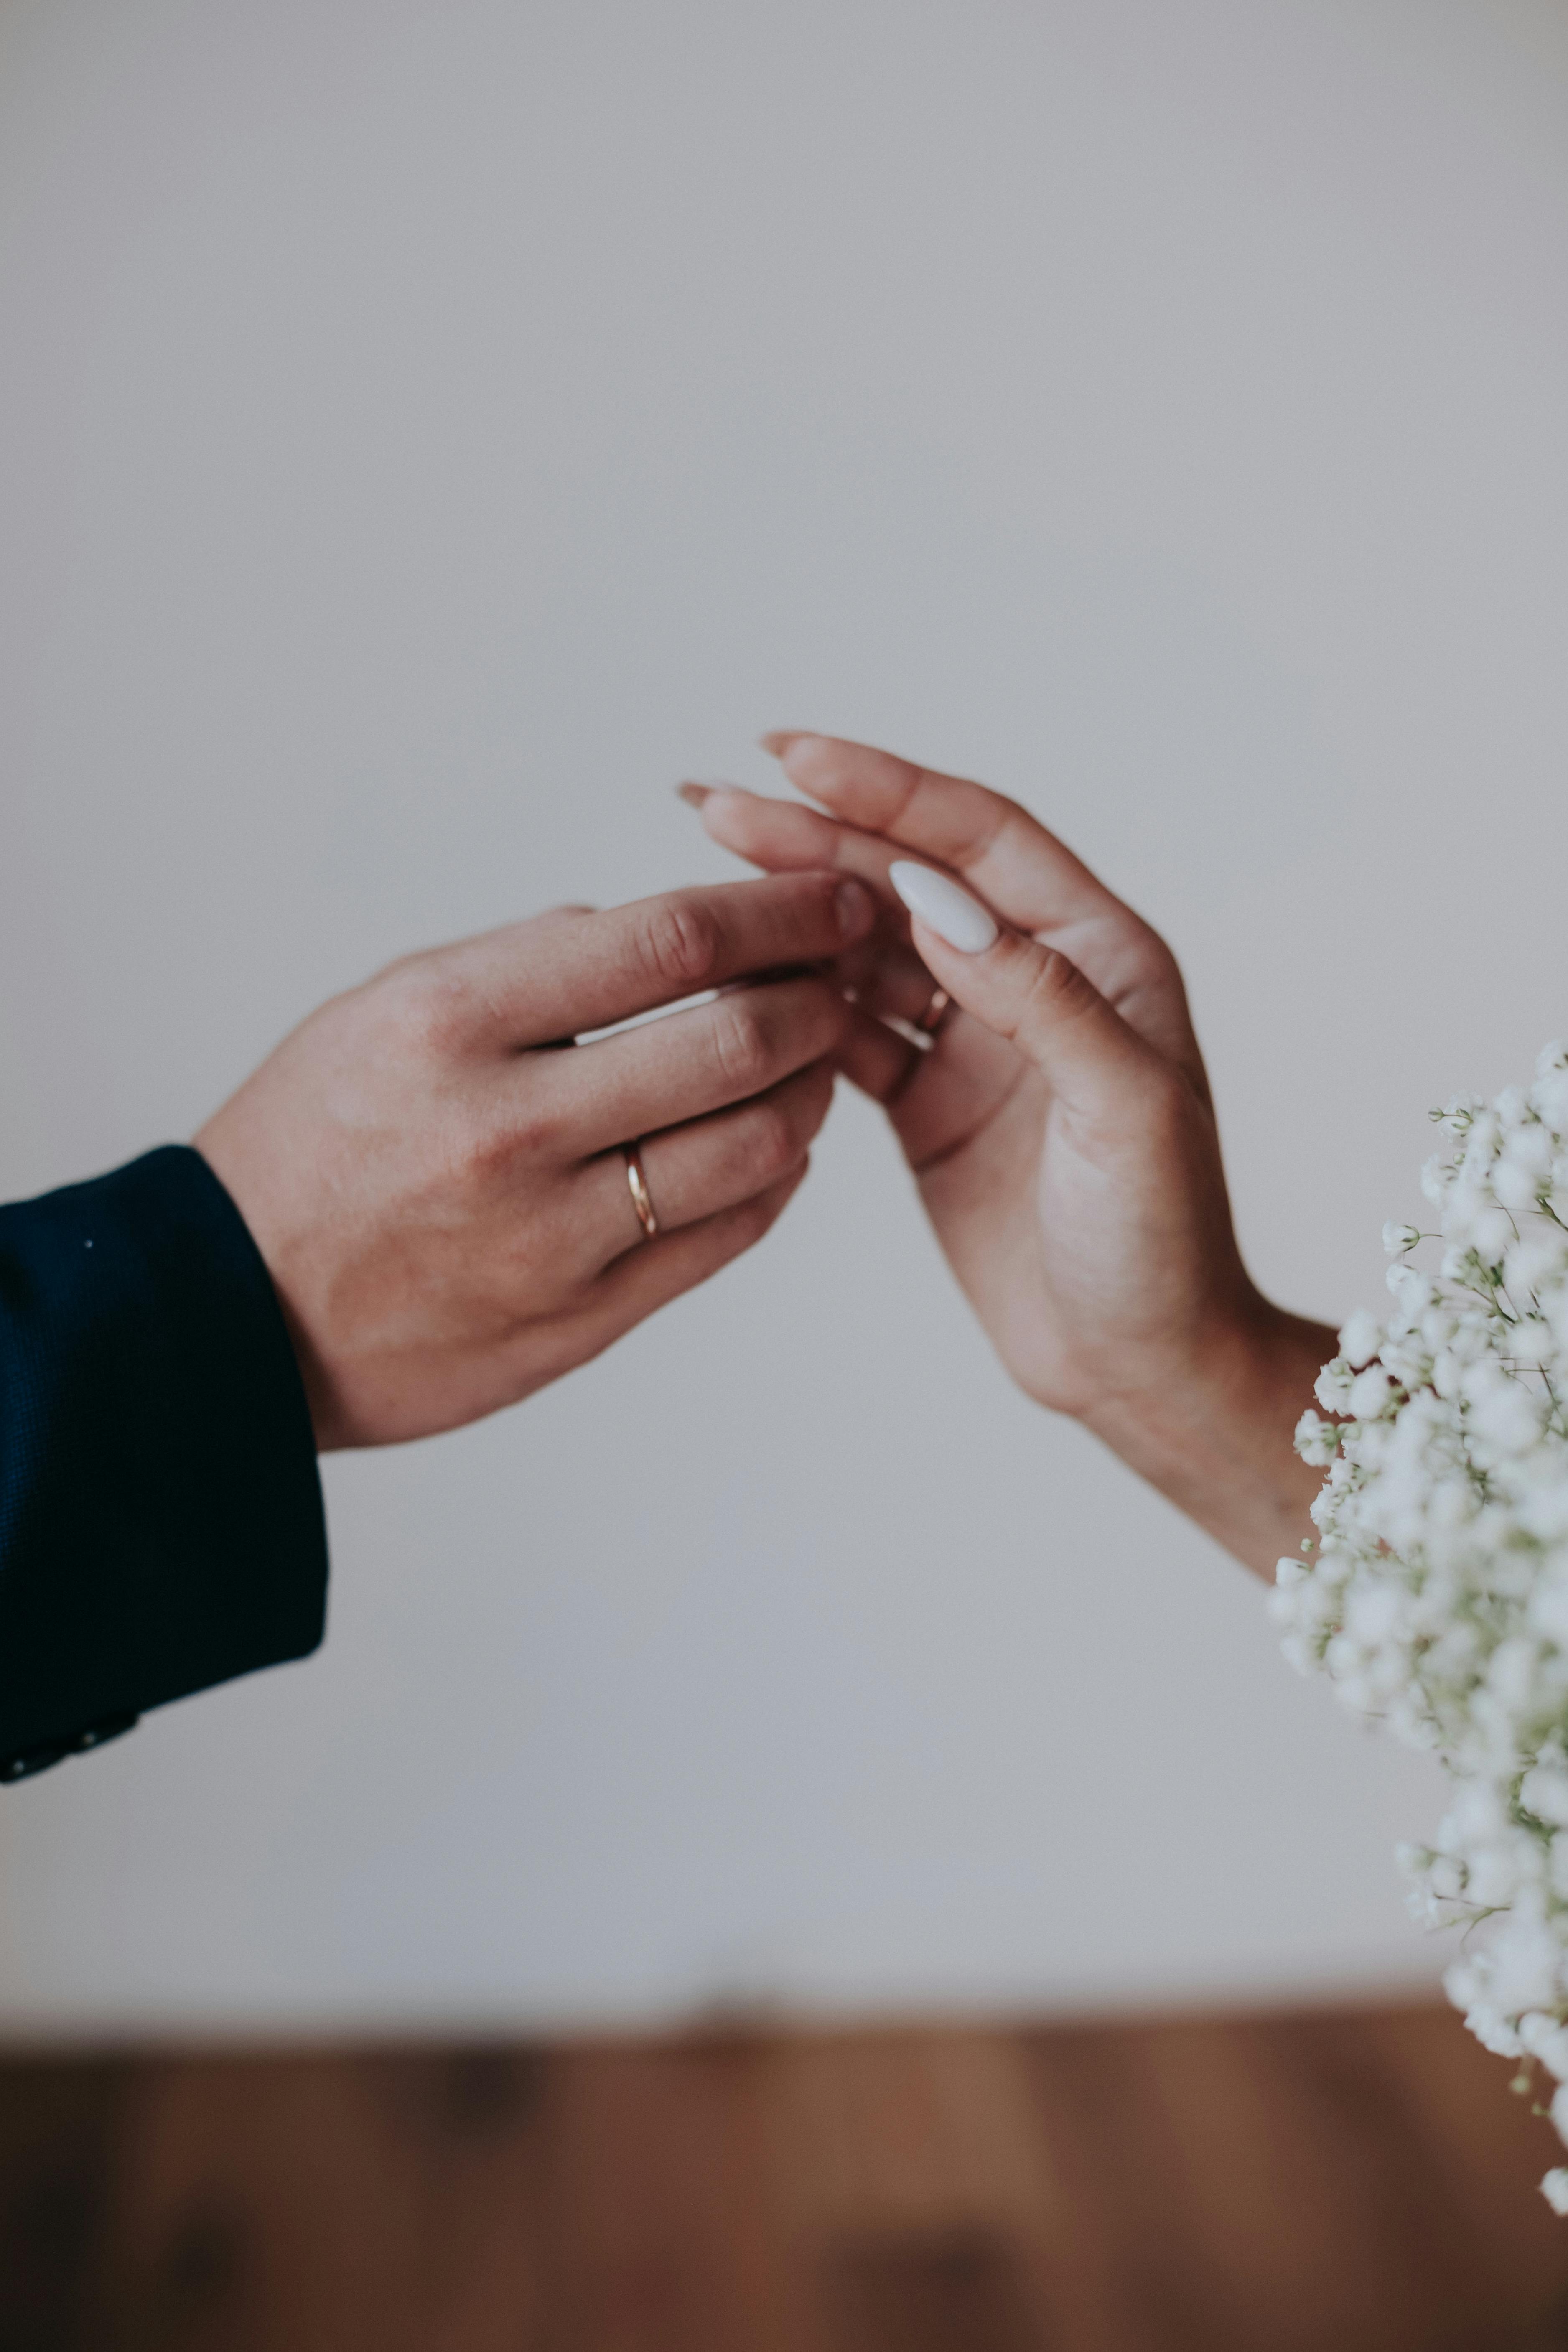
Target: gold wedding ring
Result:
[931, 1019]
[642, 1199]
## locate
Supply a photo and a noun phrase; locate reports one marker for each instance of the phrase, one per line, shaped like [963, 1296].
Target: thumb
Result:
[1031, 995]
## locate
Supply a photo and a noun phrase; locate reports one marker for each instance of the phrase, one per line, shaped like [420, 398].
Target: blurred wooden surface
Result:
[1346, 2180]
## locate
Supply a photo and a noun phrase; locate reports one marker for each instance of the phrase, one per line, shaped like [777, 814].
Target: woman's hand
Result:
[442, 1199]
[1060, 1128]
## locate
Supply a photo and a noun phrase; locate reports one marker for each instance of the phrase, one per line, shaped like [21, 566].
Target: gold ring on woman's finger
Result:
[936, 1012]
[642, 1199]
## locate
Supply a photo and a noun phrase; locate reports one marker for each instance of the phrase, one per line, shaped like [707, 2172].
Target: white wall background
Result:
[430, 428]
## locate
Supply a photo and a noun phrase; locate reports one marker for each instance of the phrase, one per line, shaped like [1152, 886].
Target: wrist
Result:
[1216, 1434]
[224, 1150]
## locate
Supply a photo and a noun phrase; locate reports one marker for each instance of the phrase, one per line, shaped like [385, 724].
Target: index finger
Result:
[1022, 870]
[1128, 963]
[584, 971]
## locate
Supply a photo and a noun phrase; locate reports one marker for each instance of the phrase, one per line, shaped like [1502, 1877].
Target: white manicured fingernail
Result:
[952, 913]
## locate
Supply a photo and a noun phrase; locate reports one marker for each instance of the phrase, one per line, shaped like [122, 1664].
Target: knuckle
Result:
[774, 1142]
[754, 1219]
[825, 1015]
[758, 1216]
[431, 1009]
[541, 1114]
[1151, 957]
[533, 1133]
[814, 1101]
[742, 1044]
[481, 1147]
[678, 942]
[483, 1151]
[1167, 1107]
[810, 1101]
[1055, 987]
[495, 1138]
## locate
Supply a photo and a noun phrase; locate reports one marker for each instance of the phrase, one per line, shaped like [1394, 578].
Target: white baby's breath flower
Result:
[1370, 1393]
[1487, 2025]
[1544, 1792]
[1515, 1185]
[1436, 1598]
[1317, 1442]
[1361, 1339]
[1491, 1230]
[1503, 1414]
[1413, 1293]
[1545, 2039]
[1534, 1343]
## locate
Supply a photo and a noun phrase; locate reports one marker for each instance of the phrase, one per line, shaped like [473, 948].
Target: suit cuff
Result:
[161, 1518]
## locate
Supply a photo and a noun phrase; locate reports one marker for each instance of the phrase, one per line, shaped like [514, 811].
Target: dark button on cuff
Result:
[29, 1760]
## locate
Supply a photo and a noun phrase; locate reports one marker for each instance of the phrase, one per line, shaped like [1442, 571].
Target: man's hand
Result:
[1060, 1128]
[442, 1199]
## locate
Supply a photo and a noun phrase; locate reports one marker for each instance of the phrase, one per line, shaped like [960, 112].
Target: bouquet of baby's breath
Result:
[1435, 1597]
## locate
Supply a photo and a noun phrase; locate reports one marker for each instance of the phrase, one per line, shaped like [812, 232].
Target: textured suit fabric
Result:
[161, 1518]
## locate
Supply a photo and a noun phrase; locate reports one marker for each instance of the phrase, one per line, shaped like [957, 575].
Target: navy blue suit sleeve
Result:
[161, 1519]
